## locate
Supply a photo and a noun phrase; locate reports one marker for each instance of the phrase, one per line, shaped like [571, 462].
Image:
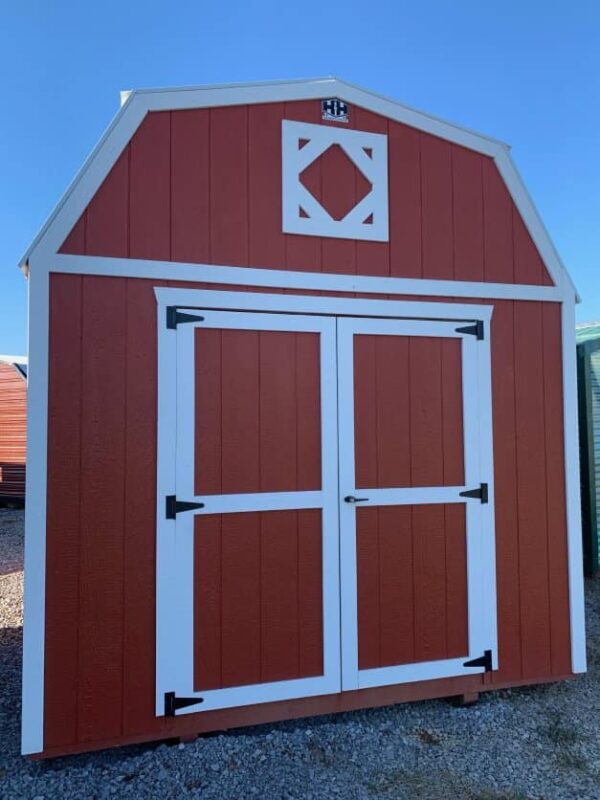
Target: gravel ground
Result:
[526, 744]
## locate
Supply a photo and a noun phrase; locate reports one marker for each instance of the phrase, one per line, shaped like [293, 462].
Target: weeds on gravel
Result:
[561, 733]
[416, 786]
[572, 760]
[427, 737]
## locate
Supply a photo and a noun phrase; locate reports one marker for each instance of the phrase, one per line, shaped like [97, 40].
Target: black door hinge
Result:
[173, 703]
[175, 318]
[484, 661]
[475, 330]
[173, 506]
[478, 494]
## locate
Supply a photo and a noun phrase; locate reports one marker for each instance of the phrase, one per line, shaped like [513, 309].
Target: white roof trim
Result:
[137, 103]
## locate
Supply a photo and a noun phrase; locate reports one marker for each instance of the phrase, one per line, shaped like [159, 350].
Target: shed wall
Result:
[13, 435]
[204, 186]
[100, 582]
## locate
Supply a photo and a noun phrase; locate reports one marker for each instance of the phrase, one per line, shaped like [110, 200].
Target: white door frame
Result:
[175, 546]
[479, 516]
[169, 619]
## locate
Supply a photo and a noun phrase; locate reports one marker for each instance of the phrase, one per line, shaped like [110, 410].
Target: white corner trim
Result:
[32, 720]
[367, 151]
[139, 103]
[573, 496]
[312, 281]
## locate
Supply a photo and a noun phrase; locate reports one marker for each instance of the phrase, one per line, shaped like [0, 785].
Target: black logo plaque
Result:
[334, 110]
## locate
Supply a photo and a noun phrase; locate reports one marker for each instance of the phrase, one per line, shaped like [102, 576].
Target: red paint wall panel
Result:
[531, 493]
[505, 487]
[555, 496]
[88, 676]
[229, 209]
[63, 524]
[405, 199]
[205, 186]
[150, 189]
[13, 436]
[436, 204]
[107, 218]
[139, 553]
[467, 209]
[266, 240]
[497, 228]
[190, 186]
[102, 508]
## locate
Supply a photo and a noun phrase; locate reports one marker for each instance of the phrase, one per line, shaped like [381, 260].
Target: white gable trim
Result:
[140, 102]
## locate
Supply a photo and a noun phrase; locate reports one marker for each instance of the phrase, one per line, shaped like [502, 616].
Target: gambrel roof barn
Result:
[303, 421]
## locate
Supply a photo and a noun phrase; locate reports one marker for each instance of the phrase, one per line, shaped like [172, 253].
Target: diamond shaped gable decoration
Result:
[362, 216]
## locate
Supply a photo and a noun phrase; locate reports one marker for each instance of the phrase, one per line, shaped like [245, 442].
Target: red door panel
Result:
[257, 411]
[412, 584]
[257, 597]
[408, 411]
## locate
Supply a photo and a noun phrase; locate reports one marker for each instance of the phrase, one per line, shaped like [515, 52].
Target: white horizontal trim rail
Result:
[414, 495]
[199, 299]
[258, 501]
[318, 281]
[420, 671]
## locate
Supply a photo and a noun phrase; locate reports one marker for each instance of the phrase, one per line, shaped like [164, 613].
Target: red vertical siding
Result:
[102, 465]
[63, 522]
[436, 205]
[96, 550]
[405, 199]
[13, 423]
[139, 513]
[205, 186]
[190, 186]
[150, 189]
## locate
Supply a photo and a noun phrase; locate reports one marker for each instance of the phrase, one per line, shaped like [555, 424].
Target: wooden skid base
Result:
[189, 726]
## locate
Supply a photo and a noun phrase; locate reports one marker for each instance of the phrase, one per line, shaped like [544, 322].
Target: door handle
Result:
[351, 499]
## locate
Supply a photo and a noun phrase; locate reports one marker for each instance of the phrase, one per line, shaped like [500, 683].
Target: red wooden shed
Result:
[13, 428]
[303, 429]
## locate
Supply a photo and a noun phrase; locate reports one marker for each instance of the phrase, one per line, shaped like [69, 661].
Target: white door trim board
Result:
[310, 304]
[482, 625]
[175, 586]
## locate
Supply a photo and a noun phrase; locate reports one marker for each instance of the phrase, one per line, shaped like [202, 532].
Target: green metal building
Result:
[588, 379]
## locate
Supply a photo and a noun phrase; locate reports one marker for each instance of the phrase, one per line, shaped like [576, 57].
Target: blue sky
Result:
[526, 72]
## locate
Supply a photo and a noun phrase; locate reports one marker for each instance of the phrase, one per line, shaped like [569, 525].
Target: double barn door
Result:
[328, 527]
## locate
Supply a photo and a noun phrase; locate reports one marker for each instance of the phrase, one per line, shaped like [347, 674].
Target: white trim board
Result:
[32, 717]
[140, 102]
[573, 489]
[274, 278]
[302, 304]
